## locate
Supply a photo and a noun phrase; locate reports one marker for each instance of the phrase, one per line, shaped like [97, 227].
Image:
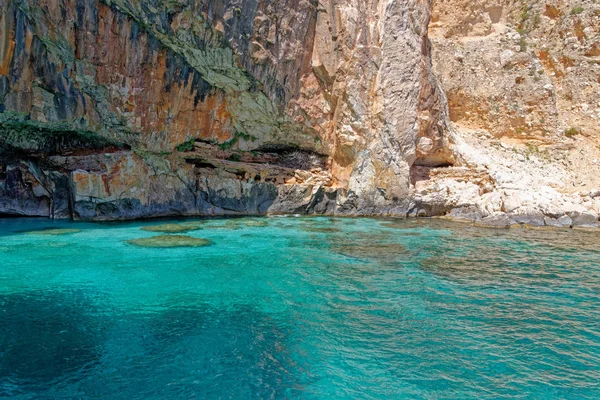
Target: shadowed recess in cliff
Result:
[23, 136]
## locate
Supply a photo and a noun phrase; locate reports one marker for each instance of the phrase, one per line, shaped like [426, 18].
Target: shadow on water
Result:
[238, 352]
[61, 344]
[46, 337]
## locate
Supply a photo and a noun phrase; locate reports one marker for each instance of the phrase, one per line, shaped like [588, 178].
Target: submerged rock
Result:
[255, 223]
[499, 220]
[48, 336]
[170, 228]
[320, 229]
[167, 241]
[384, 252]
[195, 224]
[228, 225]
[406, 225]
[53, 232]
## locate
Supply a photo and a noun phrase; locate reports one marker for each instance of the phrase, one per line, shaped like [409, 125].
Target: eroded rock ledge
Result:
[207, 180]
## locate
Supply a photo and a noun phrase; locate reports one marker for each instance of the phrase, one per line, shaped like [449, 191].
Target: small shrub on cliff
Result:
[236, 138]
[522, 44]
[570, 132]
[577, 10]
[235, 158]
[186, 146]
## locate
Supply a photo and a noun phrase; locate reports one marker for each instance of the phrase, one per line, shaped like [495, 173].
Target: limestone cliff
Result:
[114, 109]
[522, 82]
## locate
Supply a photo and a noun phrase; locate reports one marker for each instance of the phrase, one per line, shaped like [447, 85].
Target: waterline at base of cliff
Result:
[286, 307]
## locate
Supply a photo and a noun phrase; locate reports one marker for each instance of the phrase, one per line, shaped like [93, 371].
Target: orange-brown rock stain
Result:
[550, 63]
[9, 47]
[552, 12]
[164, 109]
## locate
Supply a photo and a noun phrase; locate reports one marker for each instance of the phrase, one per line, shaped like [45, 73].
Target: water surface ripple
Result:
[299, 308]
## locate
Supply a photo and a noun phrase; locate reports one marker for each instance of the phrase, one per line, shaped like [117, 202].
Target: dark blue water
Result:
[300, 308]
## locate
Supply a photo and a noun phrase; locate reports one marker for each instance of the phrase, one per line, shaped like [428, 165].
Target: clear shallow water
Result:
[301, 308]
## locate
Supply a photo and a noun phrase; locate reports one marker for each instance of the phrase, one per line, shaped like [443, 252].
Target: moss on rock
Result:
[18, 134]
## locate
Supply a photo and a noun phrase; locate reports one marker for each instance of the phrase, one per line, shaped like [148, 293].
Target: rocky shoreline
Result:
[123, 185]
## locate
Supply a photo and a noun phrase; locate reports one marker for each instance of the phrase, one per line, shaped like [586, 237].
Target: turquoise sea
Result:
[299, 308]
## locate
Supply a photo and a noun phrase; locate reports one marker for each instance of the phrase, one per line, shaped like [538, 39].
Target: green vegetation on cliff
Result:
[19, 134]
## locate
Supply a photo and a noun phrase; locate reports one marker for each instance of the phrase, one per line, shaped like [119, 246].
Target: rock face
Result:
[521, 78]
[119, 109]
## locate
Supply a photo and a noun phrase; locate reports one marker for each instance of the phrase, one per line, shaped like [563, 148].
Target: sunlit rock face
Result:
[520, 78]
[154, 83]
[373, 59]
[157, 73]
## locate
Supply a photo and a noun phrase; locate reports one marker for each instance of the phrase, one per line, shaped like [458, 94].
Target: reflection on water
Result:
[299, 308]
